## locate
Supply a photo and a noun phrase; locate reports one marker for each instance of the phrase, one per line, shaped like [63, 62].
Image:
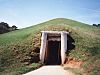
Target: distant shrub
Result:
[4, 27]
[97, 25]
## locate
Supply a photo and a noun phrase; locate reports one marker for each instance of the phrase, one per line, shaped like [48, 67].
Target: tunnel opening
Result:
[53, 47]
[53, 55]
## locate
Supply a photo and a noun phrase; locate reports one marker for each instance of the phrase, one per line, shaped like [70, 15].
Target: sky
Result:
[25, 13]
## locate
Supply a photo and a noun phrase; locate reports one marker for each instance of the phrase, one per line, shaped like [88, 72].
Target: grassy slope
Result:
[87, 41]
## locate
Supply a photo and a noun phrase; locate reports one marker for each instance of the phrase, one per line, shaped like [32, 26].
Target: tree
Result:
[4, 27]
[94, 25]
[98, 25]
[14, 27]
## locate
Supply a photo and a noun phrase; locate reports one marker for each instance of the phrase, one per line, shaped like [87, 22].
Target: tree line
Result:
[96, 25]
[4, 27]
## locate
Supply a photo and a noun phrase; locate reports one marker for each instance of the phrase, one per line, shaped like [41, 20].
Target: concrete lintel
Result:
[55, 32]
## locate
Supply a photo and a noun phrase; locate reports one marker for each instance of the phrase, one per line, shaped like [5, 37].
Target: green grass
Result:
[18, 45]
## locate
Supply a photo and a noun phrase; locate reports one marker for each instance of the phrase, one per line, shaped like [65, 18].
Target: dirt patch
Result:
[73, 63]
[74, 66]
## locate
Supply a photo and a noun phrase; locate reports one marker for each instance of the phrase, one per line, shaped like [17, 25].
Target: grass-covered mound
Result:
[19, 50]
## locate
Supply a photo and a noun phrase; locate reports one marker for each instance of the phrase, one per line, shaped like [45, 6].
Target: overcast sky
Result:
[24, 13]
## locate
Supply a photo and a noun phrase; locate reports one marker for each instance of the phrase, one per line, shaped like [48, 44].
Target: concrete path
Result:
[50, 70]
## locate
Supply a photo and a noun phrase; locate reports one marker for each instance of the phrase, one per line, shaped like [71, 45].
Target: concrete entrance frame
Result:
[63, 44]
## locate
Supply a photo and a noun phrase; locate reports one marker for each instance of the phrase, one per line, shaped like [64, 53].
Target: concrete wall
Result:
[63, 46]
[43, 46]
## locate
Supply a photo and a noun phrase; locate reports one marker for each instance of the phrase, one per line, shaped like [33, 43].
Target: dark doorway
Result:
[70, 44]
[53, 56]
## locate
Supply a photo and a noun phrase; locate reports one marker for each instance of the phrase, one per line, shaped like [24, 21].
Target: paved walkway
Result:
[50, 70]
